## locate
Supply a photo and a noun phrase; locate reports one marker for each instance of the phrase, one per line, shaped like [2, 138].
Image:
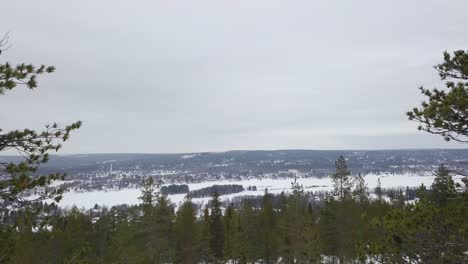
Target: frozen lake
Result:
[130, 196]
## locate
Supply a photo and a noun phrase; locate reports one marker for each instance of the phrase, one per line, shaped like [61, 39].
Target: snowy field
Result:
[110, 198]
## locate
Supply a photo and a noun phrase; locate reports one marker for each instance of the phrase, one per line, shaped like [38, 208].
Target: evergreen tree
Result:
[399, 199]
[268, 236]
[149, 195]
[443, 187]
[299, 240]
[445, 111]
[423, 233]
[157, 223]
[186, 234]
[344, 227]
[230, 228]
[341, 179]
[247, 246]
[163, 230]
[206, 255]
[216, 227]
[125, 245]
[34, 146]
[360, 192]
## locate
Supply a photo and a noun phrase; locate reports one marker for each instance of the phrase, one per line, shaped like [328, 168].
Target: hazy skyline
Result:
[168, 76]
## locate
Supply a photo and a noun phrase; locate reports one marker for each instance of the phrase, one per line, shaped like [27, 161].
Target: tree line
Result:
[220, 189]
[346, 227]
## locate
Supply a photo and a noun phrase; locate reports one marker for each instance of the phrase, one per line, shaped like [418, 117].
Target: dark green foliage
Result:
[269, 238]
[148, 196]
[298, 233]
[333, 231]
[230, 222]
[34, 146]
[216, 227]
[205, 236]
[435, 229]
[220, 189]
[445, 111]
[156, 226]
[422, 233]
[175, 189]
[247, 234]
[187, 234]
[342, 179]
[443, 187]
[360, 192]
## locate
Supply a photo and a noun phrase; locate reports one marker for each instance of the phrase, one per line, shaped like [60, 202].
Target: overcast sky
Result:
[190, 76]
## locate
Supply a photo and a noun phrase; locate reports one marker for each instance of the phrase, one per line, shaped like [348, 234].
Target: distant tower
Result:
[110, 170]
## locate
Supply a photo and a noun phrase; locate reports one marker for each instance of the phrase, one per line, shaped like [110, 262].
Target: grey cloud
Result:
[168, 76]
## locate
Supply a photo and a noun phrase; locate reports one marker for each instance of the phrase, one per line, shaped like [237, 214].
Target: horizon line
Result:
[244, 150]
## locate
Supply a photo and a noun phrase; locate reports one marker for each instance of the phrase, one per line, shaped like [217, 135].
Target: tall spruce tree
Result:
[206, 255]
[186, 234]
[268, 236]
[247, 234]
[157, 222]
[299, 240]
[230, 228]
[163, 226]
[216, 227]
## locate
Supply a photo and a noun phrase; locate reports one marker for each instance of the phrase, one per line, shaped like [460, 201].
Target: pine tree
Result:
[186, 234]
[125, 245]
[157, 222]
[163, 229]
[341, 179]
[206, 255]
[445, 111]
[229, 221]
[249, 233]
[34, 146]
[360, 192]
[443, 187]
[148, 196]
[299, 241]
[268, 235]
[423, 233]
[216, 227]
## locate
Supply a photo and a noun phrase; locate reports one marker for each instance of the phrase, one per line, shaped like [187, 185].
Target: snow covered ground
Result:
[130, 196]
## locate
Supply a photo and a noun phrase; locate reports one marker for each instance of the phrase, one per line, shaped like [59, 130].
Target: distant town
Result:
[117, 171]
